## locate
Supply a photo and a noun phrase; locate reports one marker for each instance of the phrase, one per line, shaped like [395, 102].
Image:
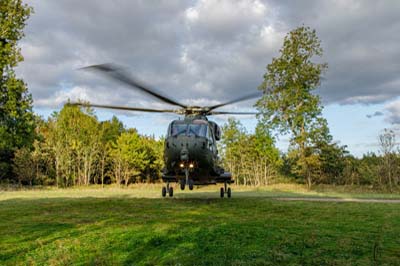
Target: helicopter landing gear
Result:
[186, 181]
[191, 184]
[226, 190]
[187, 175]
[168, 189]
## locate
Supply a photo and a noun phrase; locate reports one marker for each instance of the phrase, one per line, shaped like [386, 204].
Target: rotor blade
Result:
[117, 73]
[243, 98]
[232, 113]
[126, 108]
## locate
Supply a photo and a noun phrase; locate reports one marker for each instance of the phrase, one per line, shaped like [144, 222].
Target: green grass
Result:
[135, 227]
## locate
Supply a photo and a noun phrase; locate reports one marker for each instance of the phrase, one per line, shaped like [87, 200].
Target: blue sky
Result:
[204, 52]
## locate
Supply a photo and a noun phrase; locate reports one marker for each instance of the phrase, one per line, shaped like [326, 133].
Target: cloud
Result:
[377, 113]
[393, 110]
[360, 44]
[205, 49]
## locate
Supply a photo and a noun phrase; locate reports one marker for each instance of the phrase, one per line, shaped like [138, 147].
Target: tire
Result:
[221, 192]
[171, 192]
[191, 184]
[229, 192]
[182, 183]
[164, 191]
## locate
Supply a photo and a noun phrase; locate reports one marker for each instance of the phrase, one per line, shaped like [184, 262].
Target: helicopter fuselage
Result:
[190, 149]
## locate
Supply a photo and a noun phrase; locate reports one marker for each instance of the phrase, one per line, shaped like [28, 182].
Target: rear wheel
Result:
[229, 192]
[170, 191]
[164, 191]
[191, 183]
[221, 192]
[182, 184]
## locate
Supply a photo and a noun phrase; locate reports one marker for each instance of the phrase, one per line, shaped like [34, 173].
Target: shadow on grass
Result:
[200, 230]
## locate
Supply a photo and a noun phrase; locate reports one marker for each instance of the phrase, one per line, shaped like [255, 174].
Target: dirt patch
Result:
[341, 200]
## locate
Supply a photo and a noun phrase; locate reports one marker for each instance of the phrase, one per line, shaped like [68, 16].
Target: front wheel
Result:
[229, 192]
[170, 191]
[221, 192]
[164, 191]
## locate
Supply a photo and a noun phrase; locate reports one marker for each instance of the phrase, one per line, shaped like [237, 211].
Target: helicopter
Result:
[190, 149]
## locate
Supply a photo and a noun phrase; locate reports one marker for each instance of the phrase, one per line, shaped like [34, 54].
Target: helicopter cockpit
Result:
[197, 128]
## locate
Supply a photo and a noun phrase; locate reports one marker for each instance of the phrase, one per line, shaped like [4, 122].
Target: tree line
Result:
[254, 160]
[73, 148]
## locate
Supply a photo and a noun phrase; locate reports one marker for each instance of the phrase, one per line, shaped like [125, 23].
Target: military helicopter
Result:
[190, 151]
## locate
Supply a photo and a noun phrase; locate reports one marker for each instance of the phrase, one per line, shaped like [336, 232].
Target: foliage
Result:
[24, 166]
[288, 103]
[75, 142]
[16, 116]
[252, 158]
[74, 148]
[130, 156]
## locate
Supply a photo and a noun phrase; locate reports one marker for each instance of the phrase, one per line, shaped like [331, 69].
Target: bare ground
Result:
[339, 200]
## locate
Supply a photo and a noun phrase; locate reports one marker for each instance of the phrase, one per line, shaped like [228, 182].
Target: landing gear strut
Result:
[186, 181]
[226, 190]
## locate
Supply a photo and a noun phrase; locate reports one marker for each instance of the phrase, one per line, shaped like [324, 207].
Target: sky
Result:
[207, 51]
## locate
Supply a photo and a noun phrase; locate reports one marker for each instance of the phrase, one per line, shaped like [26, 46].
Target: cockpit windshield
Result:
[178, 129]
[194, 129]
[197, 130]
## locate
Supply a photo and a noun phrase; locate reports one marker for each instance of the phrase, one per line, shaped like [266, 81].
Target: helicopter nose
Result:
[184, 154]
[187, 147]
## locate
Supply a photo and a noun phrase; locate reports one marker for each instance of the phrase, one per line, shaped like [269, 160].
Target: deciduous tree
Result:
[16, 116]
[289, 104]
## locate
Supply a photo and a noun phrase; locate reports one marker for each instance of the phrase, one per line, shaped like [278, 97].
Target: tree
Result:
[24, 166]
[230, 146]
[251, 158]
[130, 156]
[387, 141]
[289, 104]
[109, 133]
[154, 158]
[16, 116]
[75, 142]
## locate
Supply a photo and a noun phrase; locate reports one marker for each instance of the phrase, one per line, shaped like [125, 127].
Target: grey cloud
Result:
[213, 50]
[377, 113]
[393, 110]
[360, 42]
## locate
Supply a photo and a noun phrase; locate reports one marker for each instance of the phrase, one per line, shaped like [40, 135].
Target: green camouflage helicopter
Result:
[190, 151]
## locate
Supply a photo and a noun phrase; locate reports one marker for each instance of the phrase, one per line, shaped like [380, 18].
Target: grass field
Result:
[134, 226]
